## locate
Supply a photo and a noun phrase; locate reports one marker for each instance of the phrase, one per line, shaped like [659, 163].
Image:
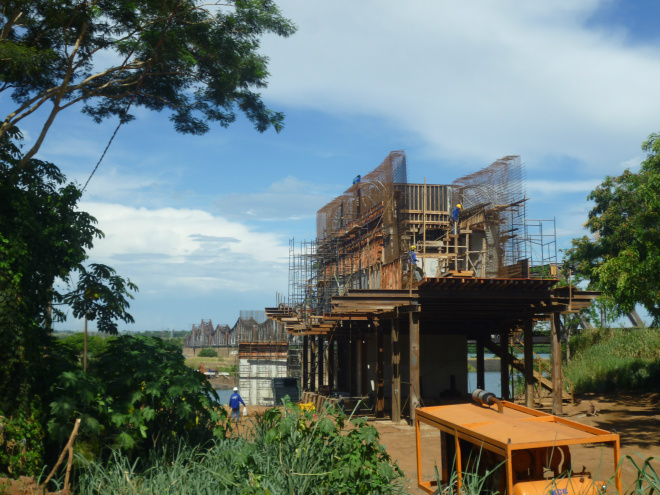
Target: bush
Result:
[137, 395]
[21, 442]
[285, 451]
[207, 352]
[615, 359]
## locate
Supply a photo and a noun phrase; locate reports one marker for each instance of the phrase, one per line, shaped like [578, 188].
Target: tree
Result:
[199, 61]
[623, 257]
[44, 238]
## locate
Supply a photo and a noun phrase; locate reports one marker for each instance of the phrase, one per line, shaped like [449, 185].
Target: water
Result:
[493, 380]
[224, 395]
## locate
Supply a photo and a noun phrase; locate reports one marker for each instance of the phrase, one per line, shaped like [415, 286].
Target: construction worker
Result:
[455, 215]
[412, 257]
[235, 402]
[357, 180]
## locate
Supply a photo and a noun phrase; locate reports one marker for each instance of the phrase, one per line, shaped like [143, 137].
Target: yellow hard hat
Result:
[460, 206]
[413, 247]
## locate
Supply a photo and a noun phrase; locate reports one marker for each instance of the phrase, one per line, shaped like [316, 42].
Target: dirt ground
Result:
[635, 417]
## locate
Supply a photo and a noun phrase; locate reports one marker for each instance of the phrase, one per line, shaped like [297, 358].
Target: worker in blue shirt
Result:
[412, 257]
[455, 215]
[235, 402]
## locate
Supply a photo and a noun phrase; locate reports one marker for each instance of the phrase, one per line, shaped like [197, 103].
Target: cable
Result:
[137, 89]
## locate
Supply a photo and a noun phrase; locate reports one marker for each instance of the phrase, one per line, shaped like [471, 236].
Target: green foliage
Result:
[137, 395]
[207, 352]
[21, 447]
[197, 62]
[647, 480]
[44, 238]
[615, 359]
[623, 257]
[285, 451]
[101, 295]
[75, 343]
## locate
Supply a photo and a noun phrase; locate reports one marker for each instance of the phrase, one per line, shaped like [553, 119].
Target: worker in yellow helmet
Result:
[455, 216]
[412, 257]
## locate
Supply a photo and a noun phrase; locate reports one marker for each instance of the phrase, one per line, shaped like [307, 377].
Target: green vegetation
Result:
[606, 360]
[207, 352]
[199, 63]
[284, 451]
[138, 395]
[623, 257]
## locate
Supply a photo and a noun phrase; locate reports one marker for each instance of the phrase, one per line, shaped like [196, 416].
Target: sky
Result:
[203, 224]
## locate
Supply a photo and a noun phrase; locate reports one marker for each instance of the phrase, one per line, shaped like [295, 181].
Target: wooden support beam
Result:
[528, 344]
[504, 365]
[396, 372]
[312, 365]
[358, 365]
[481, 368]
[332, 370]
[320, 347]
[380, 373]
[414, 363]
[305, 364]
[555, 351]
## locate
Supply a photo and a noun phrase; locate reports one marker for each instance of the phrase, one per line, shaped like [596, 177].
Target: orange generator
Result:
[507, 448]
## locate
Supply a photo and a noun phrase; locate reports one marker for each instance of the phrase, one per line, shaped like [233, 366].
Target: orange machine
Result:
[523, 451]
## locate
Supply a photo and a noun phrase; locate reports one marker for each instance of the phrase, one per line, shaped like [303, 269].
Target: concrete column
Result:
[528, 341]
[414, 362]
[396, 376]
[555, 350]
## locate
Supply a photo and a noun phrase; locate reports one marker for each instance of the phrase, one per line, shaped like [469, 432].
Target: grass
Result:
[226, 364]
[606, 360]
[285, 451]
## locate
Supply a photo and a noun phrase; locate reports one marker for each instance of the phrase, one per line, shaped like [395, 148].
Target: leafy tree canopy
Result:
[197, 60]
[622, 258]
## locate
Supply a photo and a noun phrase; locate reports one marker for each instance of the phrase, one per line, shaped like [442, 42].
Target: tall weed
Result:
[286, 451]
[611, 359]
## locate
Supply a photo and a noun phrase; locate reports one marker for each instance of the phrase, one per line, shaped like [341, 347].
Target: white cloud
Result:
[481, 79]
[184, 249]
[552, 187]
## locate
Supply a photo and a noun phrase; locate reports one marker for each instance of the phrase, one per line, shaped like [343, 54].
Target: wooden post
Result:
[331, 364]
[320, 341]
[358, 365]
[305, 375]
[481, 368]
[396, 376]
[528, 343]
[380, 376]
[504, 365]
[312, 365]
[414, 363]
[555, 348]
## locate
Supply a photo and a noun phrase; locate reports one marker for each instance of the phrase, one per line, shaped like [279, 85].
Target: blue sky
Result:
[202, 224]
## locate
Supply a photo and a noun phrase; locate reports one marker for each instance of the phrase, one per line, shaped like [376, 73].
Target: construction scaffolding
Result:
[365, 236]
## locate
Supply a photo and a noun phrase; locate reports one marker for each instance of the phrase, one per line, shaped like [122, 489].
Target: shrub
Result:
[137, 395]
[285, 451]
[615, 359]
[207, 352]
[21, 442]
